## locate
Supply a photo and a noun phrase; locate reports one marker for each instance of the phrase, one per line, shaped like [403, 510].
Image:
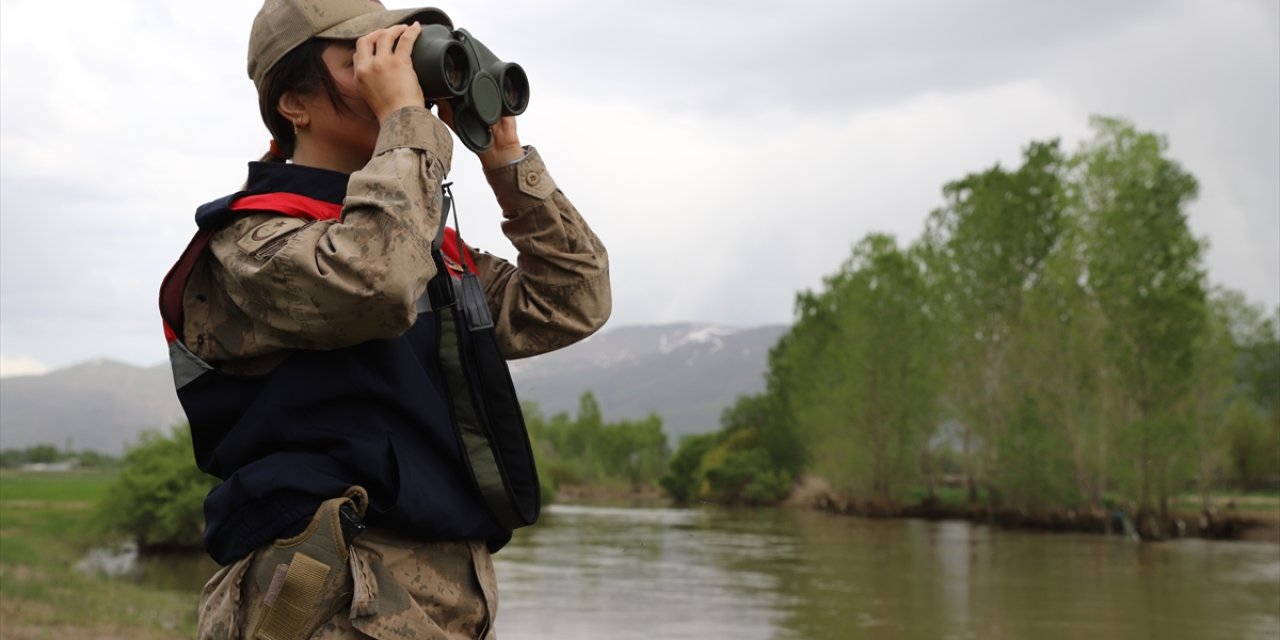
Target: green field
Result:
[70, 486]
[46, 527]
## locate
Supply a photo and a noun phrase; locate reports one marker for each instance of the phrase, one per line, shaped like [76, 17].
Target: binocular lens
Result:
[515, 90]
[443, 65]
[509, 93]
[455, 69]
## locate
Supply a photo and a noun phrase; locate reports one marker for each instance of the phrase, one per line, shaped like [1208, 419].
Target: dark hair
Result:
[302, 70]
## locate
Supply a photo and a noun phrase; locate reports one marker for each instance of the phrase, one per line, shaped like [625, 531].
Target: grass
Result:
[45, 529]
[947, 496]
[71, 486]
[1256, 504]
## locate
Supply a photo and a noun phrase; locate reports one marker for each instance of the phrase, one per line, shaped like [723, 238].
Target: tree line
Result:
[48, 454]
[1050, 341]
[586, 451]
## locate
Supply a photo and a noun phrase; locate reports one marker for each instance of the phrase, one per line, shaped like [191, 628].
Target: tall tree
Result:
[1215, 399]
[1144, 268]
[1254, 425]
[986, 247]
[866, 396]
[1057, 455]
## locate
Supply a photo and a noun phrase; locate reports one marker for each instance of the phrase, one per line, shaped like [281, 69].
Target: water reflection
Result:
[167, 571]
[621, 574]
[663, 573]
[114, 562]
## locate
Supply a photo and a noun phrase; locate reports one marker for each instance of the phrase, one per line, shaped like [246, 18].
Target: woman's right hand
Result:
[384, 70]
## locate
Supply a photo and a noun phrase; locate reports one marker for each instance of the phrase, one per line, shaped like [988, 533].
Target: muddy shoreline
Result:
[1149, 527]
[1223, 524]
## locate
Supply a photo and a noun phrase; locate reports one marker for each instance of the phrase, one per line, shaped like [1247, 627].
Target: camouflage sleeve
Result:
[327, 284]
[558, 291]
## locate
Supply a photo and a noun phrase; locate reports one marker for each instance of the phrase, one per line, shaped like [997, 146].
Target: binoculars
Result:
[454, 66]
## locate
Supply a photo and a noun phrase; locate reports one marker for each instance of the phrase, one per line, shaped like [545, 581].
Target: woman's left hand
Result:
[506, 147]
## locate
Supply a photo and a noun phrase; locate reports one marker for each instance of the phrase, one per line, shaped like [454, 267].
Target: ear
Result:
[293, 106]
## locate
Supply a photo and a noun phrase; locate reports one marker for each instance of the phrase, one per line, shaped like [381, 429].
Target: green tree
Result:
[763, 414]
[42, 453]
[753, 458]
[586, 450]
[1144, 268]
[1054, 317]
[635, 450]
[157, 498]
[985, 248]
[543, 451]
[861, 372]
[738, 470]
[1058, 453]
[683, 478]
[1253, 427]
[1214, 392]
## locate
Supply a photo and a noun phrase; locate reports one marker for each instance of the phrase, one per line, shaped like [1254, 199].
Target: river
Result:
[617, 574]
[593, 573]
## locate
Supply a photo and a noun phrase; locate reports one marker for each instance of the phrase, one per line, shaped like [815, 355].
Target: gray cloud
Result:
[813, 57]
[729, 153]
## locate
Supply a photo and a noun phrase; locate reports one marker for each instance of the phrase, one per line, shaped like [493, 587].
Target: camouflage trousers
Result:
[400, 589]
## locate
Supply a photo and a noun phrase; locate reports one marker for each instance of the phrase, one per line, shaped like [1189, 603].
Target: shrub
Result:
[158, 497]
[684, 473]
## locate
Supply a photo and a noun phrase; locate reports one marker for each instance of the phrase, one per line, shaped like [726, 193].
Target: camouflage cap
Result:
[282, 25]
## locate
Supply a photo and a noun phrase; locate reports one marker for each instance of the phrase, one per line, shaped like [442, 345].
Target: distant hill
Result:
[686, 373]
[100, 405]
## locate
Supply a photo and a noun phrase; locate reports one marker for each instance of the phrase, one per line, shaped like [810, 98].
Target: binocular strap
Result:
[483, 406]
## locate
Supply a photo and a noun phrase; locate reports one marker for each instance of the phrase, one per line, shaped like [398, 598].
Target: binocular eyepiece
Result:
[453, 66]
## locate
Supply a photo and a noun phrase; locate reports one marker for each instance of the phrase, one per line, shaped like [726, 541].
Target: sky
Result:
[729, 154]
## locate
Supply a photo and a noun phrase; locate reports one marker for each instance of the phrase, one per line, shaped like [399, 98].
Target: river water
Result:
[621, 573]
[617, 574]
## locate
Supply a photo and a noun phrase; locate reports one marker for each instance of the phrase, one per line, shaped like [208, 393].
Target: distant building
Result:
[65, 465]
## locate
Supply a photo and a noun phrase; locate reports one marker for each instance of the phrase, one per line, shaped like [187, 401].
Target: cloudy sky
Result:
[728, 153]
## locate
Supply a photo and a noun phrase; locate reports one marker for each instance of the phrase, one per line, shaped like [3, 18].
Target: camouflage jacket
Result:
[271, 284]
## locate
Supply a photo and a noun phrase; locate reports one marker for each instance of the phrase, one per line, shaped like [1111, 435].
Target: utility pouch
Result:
[295, 585]
[482, 400]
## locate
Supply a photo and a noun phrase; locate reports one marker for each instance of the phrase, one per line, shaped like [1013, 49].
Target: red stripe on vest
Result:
[299, 206]
[175, 282]
[290, 204]
[449, 249]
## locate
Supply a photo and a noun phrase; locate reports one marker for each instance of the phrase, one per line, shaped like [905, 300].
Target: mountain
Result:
[100, 405]
[686, 373]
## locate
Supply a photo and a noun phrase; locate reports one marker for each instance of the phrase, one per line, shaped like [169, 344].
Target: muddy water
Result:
[620, 574]
[630, 573]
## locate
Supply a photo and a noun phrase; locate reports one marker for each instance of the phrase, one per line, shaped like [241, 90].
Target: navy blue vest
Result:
[373, 414]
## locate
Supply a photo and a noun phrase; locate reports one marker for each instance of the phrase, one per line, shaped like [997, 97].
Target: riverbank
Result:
[1245, 518]
[1225, 522]
[46, 522]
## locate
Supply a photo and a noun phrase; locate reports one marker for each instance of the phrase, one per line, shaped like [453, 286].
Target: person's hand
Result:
[384, 70]
[506, 147]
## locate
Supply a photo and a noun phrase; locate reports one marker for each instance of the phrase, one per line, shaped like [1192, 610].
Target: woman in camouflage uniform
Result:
[306, 356]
